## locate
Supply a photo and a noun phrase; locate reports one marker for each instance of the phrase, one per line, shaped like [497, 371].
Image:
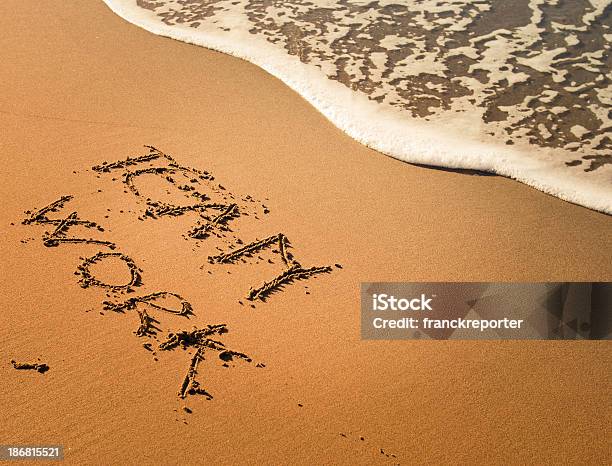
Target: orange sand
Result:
[81, 86]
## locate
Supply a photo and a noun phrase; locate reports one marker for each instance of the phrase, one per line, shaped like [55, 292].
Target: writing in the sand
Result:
[215, 208]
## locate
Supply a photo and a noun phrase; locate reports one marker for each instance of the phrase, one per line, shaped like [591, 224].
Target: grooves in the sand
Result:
[215, 209]
[30, 366]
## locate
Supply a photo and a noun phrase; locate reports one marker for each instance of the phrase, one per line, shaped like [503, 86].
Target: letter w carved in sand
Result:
[58, 235]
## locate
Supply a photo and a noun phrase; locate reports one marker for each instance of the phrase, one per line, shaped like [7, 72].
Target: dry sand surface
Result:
[80, 86]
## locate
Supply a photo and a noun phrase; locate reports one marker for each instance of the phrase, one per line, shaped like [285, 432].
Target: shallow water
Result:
[518, 87]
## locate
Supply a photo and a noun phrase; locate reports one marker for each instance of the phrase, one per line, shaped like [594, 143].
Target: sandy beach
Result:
[82, 87]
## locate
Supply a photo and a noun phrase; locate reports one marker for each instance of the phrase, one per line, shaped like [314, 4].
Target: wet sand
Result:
[80, 87]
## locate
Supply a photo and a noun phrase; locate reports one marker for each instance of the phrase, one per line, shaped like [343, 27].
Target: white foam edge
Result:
[380, 127]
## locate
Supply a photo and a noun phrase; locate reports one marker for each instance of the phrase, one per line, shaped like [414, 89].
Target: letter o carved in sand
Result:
[87, 279]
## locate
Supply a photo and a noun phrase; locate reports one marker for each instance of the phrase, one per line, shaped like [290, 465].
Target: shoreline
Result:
[101, 89]
[388, 130]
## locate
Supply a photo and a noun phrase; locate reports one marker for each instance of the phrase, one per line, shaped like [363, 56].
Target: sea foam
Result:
[517, 88]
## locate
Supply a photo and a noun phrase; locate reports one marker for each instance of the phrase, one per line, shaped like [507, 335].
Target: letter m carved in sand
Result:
[293, 269]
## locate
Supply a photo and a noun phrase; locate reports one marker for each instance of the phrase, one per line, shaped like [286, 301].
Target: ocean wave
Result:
[519, 88]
